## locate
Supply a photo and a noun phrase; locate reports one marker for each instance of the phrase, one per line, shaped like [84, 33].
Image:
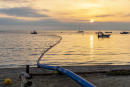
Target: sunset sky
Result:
[64, 14]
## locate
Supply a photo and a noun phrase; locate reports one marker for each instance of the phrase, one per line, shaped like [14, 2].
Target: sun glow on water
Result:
[91, 45]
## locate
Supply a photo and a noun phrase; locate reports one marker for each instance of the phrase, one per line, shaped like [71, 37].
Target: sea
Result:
[19, 48]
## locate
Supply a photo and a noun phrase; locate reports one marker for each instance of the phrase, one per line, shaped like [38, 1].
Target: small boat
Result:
[80, 31]
[34, 32]
[108, 32]
[124, 32]
[101, 35]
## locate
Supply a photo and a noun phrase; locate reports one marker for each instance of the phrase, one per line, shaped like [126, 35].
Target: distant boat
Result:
[80, 31]
[101, 35]
[108, 32]
[34, 32]
[124, 32]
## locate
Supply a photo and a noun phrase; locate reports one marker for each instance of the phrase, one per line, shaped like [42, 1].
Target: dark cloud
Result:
[23, 12]
[81, 20]
[8, 21]
[11, 21]
[105, 16]
[17, 24]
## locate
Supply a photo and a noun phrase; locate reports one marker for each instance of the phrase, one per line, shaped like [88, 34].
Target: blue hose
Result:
[70, 74]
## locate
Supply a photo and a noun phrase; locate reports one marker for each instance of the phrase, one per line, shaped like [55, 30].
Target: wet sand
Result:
[98, 78]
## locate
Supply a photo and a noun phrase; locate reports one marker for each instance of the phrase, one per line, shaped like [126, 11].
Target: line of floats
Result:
[75, 77]
[81, 81]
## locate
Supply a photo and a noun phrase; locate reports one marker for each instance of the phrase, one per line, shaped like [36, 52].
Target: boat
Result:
[108, 32]
[124, 32]
[80, 31]
[34, 32]
[101, 35]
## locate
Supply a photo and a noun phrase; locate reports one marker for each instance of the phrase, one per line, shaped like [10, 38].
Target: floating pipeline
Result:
[68, 73]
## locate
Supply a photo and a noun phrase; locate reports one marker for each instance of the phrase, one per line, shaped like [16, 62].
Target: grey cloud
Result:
[81, 20]
[8, 21]
[45, 22]
[104, 16]
[54, 24]
[23, 12]
[11, 21]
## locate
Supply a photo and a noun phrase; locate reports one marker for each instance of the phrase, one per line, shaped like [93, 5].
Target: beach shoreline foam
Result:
[59, 80]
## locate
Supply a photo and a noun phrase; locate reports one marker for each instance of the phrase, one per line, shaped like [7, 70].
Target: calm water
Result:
[19, 48]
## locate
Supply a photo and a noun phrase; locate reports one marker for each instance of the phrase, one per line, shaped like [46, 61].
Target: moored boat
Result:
[101, 35]
[80, 31]
[124, 32]
[108, 32]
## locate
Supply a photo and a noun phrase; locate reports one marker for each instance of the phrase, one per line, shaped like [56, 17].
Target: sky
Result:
[64, 14]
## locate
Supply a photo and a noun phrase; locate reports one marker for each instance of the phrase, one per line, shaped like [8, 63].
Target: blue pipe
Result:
[70, 74]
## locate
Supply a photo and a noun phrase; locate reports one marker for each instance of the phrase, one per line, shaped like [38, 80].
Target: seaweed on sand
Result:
[118, 72]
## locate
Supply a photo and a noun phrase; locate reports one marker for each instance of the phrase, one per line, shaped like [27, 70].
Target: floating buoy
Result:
[7, 81]
[56, 72]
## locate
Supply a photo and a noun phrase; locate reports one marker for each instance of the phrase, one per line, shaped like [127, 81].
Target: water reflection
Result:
[88, 49]
[91, 46]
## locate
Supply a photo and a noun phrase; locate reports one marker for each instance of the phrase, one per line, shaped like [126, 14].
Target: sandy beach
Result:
[93, 74]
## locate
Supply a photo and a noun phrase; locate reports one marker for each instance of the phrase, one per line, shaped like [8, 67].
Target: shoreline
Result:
[58, 80]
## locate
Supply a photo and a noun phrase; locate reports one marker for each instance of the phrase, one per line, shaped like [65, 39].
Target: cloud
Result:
[81, 20]
[16, 1]
[45, 10]
[105, 16]
[8, 21]
[50, 24]
[23, 12]
[127, 15]
[11, 21]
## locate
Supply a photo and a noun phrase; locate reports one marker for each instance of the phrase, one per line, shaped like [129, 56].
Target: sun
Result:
[91, 20]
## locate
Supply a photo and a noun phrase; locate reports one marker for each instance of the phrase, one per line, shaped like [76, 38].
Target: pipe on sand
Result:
[68, 73]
